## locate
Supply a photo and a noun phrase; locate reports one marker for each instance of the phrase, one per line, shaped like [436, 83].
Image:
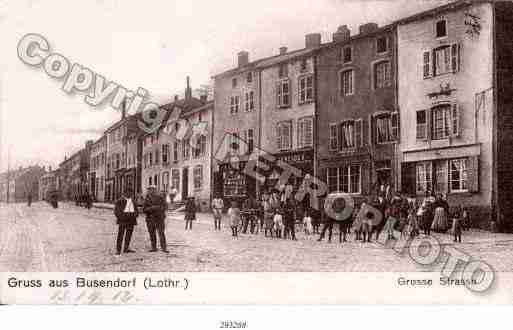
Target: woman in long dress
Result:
[440, 222]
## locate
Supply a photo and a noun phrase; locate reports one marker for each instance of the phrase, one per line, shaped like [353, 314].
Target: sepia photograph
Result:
[239, 145]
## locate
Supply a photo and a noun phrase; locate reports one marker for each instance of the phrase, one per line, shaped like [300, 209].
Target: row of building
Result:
[421, 104]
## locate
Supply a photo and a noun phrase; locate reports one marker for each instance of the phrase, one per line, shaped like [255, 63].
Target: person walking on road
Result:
[217, 209]
[155, 210]
[190, 212]
[126, 214]
[234, 215]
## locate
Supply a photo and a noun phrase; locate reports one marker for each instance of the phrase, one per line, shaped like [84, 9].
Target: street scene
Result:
[362, 136]
[74, 239]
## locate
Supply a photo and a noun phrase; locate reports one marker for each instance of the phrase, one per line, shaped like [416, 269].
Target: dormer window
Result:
[249, 77]
[347, 54]
[441, 28]
[303, 65]
[283, 71]
[381, 45]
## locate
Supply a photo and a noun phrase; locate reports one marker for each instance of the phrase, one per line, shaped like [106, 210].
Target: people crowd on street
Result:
[276, 213]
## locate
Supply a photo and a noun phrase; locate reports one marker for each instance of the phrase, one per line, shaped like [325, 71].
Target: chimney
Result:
[188, 90]
[368, 28]
[243, 58]
[123, 109]
[176, 97]
[283, 50]
[203, 98]
[312, 40]
[342, 34]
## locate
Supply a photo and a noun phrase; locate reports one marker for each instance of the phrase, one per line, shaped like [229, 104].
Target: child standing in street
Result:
[234, 215]
[456, 226]
[190, 213]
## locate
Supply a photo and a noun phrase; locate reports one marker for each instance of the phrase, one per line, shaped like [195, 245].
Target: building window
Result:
[347, 134]
[387, 127]
[346, 179]
[421, 125]
[198, 176]
[234, 104]
[249, 138]
[175, 179]
[333, 137]
[165, 153]
[284, 135]
[442, 60]
[249, 104]
[283, 93]
[303, 65]
[347, 82]
[441, 28]
[306, 89]
[381, 45]
[305, 132]
[283, 71]
[382, 74]
[424, 177]
[443, 124]
[157, 156]
[185, 148]
[347, 54]
[234, 82]
[175, 151]
[165, 181]
[458, 175]
[249, 77]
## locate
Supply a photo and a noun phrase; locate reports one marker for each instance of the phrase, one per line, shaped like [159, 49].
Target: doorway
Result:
[185, 183]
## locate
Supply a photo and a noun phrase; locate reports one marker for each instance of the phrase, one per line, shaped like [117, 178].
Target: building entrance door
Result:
[185, 183]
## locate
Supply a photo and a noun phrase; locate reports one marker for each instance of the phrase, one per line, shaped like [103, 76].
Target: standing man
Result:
[217, 209]
[126, 214]
[155, 210]
[289, 219]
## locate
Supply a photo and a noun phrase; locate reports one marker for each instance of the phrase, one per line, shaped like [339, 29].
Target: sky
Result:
[149, 44]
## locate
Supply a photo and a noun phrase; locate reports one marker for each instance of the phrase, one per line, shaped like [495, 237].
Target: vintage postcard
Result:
[256, 152]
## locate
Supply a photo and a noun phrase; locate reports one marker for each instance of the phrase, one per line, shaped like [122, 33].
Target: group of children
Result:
[277, 218]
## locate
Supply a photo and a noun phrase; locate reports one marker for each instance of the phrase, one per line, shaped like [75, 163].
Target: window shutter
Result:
[395, 125]
[278, 136]
[455, 57]
[455, 120]
[408, 178]
[308, 126]
[340, 136]
[289, 135]
[365, 179]
[472, 164]
[358, 128]
[278, 94]
[300, 133]
[426, 66]
[333, 137]
[244, 147]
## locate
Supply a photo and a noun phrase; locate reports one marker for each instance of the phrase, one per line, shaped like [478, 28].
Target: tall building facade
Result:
[177, 156]
[288, 112]
[237, 116]
[454, 92]
[97, 169]
[358, 120]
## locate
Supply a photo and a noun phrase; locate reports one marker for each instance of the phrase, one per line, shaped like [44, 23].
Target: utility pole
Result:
[8, 172]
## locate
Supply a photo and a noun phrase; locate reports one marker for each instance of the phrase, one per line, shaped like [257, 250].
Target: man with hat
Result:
[155, 210]
[126, 214]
